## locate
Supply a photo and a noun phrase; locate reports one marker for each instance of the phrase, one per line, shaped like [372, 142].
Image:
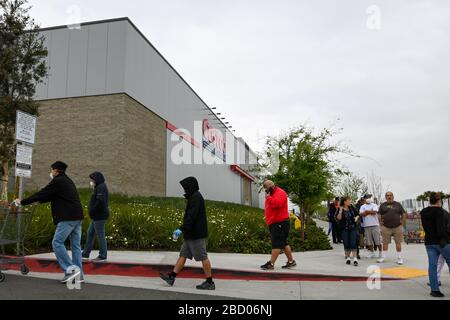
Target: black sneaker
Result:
[65, 278]
[289, 265]
[206, 286]
[267, 266]
[167, 278]
[437, 294]
[358, 257]
[99, 259]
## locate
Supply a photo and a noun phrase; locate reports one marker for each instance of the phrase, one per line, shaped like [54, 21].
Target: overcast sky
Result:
[269, 65]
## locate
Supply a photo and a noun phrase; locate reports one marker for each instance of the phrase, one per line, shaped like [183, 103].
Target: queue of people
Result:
[373, 226]
[363, 225]
[67, 214]
[380, 224]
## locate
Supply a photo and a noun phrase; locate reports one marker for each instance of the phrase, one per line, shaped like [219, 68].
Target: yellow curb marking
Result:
[404, 272]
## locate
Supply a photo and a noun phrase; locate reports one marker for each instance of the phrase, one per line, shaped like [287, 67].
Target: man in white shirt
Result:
[371, 226]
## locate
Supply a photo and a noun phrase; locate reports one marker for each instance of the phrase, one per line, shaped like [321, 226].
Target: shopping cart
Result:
[14, 222]
[413, 229]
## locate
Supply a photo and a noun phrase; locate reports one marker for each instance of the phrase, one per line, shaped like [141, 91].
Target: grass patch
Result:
[147, 223]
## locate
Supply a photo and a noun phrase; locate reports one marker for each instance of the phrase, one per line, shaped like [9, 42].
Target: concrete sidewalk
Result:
[328, 262]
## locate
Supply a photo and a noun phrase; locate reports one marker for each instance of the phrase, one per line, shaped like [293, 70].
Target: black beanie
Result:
[59, 165]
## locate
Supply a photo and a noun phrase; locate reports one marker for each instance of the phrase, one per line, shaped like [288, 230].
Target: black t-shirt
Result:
[435, 222]
[391, 214]
[348, 218]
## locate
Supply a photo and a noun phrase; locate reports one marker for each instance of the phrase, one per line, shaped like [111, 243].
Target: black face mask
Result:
[270, 190]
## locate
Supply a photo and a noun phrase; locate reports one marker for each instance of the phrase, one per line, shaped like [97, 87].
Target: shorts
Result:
[372, 235]
[388, 233]
[279, 233]
[194, 249]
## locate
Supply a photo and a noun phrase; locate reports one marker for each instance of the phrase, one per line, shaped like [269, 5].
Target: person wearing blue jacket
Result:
[99, 213]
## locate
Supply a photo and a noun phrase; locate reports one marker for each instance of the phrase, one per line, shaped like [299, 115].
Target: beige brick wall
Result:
[144, 153]
[113, 134]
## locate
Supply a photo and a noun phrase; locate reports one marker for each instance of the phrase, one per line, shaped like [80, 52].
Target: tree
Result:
[353, 186]
[306, 170]
[447, 197]
[422, 198]
[426, 197]
[22, 67]
[376, 187]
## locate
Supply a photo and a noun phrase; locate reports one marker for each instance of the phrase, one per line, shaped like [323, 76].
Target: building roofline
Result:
[86, 23]
[148, 42]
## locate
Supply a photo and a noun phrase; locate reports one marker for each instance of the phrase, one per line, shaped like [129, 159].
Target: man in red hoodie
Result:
[277, 218]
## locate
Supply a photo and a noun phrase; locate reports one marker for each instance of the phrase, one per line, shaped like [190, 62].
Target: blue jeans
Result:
[71, 230]
[96, 227]
[350, 239]
[434, 251]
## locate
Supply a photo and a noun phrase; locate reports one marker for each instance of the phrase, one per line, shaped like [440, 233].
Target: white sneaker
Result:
[371, 255]
[381, 260]
[400, 261]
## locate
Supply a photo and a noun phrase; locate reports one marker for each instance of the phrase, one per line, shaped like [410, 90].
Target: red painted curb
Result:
[152, 270]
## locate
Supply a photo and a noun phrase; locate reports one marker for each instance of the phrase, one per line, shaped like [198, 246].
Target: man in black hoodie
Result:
[436, 224]
[67, 213]
[195, 230]
[99, 212]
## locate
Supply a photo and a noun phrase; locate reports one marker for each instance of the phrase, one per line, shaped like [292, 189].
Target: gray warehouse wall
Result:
[217, 182]
[88, 61]
[113, 57]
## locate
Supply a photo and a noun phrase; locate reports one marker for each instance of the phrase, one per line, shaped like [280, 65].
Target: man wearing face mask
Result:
[99, 212]
[371, 225]
[195, 231]
[277, 218]
[67, 214]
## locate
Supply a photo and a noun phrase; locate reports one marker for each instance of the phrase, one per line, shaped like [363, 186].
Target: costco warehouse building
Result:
[112, 103]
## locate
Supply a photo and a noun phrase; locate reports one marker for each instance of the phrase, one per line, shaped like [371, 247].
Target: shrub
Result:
[147, 223]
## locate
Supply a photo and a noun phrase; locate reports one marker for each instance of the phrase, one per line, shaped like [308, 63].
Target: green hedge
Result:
[147, 223]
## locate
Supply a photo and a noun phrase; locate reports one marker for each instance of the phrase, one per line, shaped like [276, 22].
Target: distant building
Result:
[412, 205]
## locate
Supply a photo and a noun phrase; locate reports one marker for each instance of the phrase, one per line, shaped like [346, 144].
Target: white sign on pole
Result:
[23, 161]
[25, 127]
